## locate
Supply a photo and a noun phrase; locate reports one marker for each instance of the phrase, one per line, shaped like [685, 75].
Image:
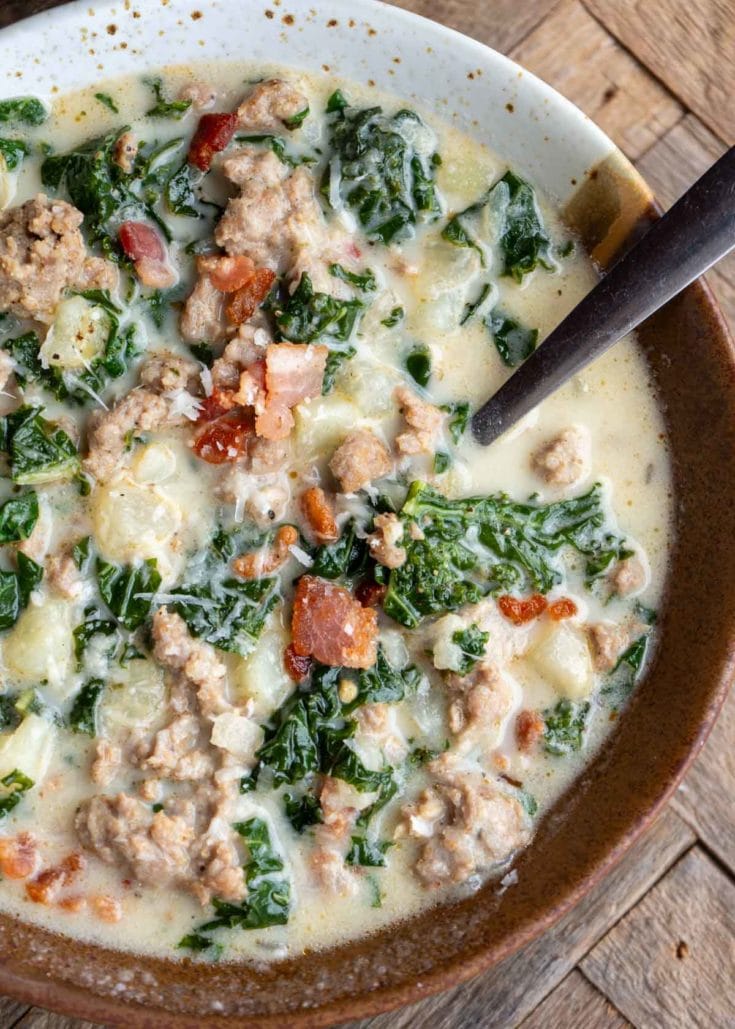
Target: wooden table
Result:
[654, 945]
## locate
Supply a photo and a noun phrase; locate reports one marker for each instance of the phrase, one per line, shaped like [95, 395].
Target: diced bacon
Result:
[226, 438]
[249, 295]
[107, 908]
[258, 563]
[275, 422]
[529, 729]
[45, 887]
[297, 667]
[331, 626]
[320, 515]
[73, 904]
[521, 611]
[18, 856]
[295, 371]
[251, 391]
[227, 274]
[213, 134]
[143, 245]
[561, 609]
[214, 406]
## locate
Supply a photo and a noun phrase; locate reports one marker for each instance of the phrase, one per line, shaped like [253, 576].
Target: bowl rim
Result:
[74, 1000]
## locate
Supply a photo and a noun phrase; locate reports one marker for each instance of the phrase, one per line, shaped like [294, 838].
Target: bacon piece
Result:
[320, 515]
[370, 593]
[107, 908]
[297, 667]
[529, 729]
[249, 295]
[227, 274]
[213, 134]
[226, 438]
[214, 406]
[46, 886]
[145, 248]
[561, 609]
[251, 389]
[331, 626]
[258, 563]
[275, 422]
[521, 611]
[294, 371]
[18, 856]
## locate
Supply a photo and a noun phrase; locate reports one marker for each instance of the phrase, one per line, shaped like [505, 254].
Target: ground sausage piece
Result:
[107, 761]
[469, 821]
[201, 95]
[203, 317]
[45, 888]
[319, 514]
[608, 641]
[329, 625]
[479, 705]
[63, 576]
[167, 372]
[177, 649]
[141, 410]
[628, 576]
[270, 105]
[529, 730]
[564, 460]
[266, 561]
[383, 542]
[424, 423]
[125, 152]
[359, 460]
[42, 253]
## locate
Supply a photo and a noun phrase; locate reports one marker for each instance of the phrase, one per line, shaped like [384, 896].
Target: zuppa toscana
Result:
[286, 656]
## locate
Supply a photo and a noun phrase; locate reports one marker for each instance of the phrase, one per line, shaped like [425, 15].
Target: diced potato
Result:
[39, 647]
[447, 655]
[237, 735]
[153, 464]
[134, 698]
[261, 677]
[28, 749]
[562, 658]
[322, 425]
[7, 185]
[79, 334]
[134, 522]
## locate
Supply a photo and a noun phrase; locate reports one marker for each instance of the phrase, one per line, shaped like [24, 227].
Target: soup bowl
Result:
[690, 355]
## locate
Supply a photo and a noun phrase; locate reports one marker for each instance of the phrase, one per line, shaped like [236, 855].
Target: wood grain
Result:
[10, 1012]
[501, 24]
[688, 44]
[575, 1004]
[38, 1019]
[574, 54]
[669, 962]
[507, 994]
[671, 166]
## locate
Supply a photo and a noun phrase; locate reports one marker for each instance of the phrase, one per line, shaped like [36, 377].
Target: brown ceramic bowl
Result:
[690, 353]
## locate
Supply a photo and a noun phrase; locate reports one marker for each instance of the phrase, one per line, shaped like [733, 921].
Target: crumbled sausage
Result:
[608, 641]
[564, 460]
[383, 542]
[201, 94]
[125, 152]
[19, 857]
[141, 410]
[529, 730]
[269, 105]
[177, 649]
[107, 762]
[42, 253]
[319, 515]
[63, 576]
[628, 576]
[359, 460]
[479, 705]
[167, 372]
[424, 423]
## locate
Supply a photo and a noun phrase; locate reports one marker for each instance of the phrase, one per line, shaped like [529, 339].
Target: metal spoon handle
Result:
[697, 231]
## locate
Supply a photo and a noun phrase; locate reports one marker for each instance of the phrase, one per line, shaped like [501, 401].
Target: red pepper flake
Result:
[226, 438]
[521, 611]
[213, 134]
[370, 593]
[529, 730]
[297, 667]
[561, 609]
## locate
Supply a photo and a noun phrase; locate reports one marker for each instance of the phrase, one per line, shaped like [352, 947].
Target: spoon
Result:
[697, 232]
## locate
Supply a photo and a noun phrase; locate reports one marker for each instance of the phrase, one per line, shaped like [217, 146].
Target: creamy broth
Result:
[476, 719]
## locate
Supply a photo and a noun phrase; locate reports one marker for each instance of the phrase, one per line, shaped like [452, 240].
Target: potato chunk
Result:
[562, 658]
[39, 647]
[77, 336]
[28, 749]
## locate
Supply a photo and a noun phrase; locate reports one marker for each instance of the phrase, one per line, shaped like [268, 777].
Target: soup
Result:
[286, 655]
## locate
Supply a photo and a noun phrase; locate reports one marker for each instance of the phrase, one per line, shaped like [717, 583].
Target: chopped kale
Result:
[128, 590]
[298, 119]
[16, 588]
[310, 317]
[29, 575]
[379, 171]
[336, 102]
[83, 714]
[418, 365]
[39, 450]
[302, 811]
[524, 242]
[342, 559]
[478, 545]
[26, 110]
[394, 318]
[565, 726]
[472, 641]
[13, 151]
[335, 360]
[369, 853]
[364, 281]
[628, 669]
[18, 517]
[459, 417]
[442, 462]
[514, 341]
[106, 100]
[179, 192]
[92, 626]
[81, 553]
[12, 789]
[474, 306]
[456, 232]
[164, 108]
[280, 148]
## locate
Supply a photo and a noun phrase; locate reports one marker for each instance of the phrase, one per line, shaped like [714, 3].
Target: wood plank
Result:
[689, 46]
[506, 995]
[500, 24]
[573, 53]
[670, 960]
[576, 1004]
[671, 166]
[39, 1019]
[705, 797]
[10, 1012]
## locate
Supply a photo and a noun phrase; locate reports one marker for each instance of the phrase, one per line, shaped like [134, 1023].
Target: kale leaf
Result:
[364, 280]
[106, 100]
[565, 726]
[83, 714]
[369, 853]
[164, 108]
[310, 317]
[280, 148]
[18, 517]
[514, 341]
[39, 451]
[344, 558]
[378, 170]
[128, 590]
[418, 365]
[13, 151]
[87, 630]
[302, 811]
[27, 110]
[472, 641]
[14, 785]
